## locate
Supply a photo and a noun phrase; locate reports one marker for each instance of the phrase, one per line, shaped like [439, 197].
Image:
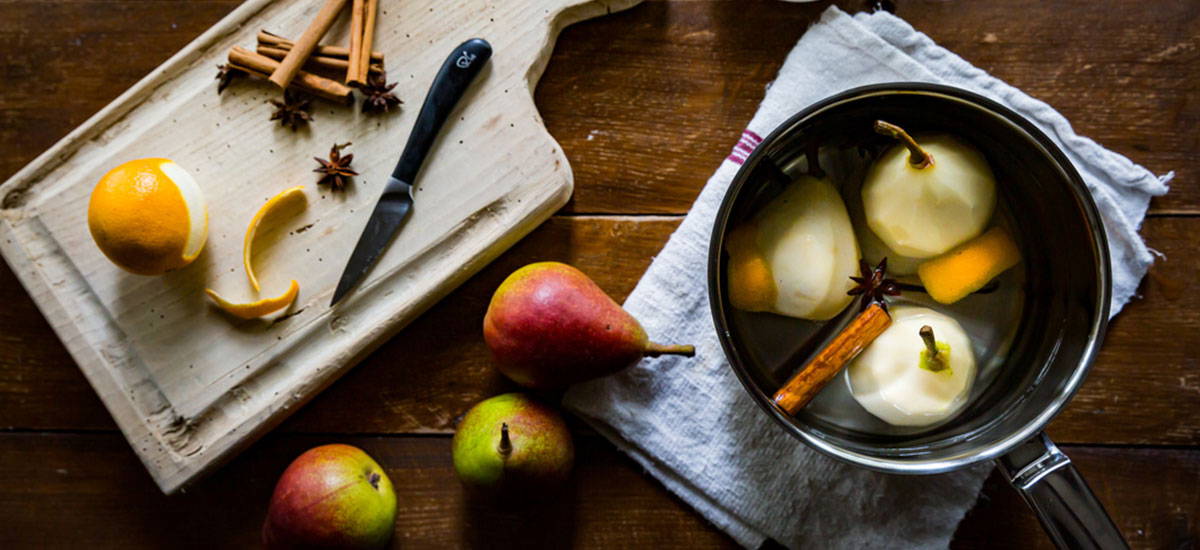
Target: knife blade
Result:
[396, 202]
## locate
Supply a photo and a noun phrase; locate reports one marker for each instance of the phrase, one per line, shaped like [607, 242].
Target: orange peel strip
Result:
[248, 242]
[259, 308]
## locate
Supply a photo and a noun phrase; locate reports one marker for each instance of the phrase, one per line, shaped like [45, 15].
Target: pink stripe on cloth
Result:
[745, 145]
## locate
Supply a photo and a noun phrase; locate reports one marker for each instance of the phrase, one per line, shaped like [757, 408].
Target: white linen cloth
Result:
[689, 422]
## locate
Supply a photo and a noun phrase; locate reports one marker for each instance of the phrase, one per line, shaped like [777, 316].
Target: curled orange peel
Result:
[294, 193]
[251, 310]
[265, 306]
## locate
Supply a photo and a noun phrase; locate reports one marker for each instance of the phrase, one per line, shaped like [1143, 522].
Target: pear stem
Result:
[505, 446]
[930, 343]
[654, 350]
[917, 156]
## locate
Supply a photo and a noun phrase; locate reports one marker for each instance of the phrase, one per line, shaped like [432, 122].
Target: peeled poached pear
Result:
[893, 380]
[796, 256]
[874, 251]
[872, 248]
[922, 200]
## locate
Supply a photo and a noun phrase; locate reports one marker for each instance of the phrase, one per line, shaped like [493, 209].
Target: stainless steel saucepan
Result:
[1051, 325]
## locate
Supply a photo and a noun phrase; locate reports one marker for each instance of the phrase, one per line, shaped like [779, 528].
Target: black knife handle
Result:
[448, 86]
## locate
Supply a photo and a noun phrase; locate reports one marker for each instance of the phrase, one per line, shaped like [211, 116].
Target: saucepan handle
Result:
[1054, 489]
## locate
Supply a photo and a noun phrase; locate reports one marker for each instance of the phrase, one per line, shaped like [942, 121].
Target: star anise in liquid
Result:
[874, 284]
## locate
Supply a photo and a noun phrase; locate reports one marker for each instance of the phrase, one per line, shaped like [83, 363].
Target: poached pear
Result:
[512, 443]
[795, 257]
[872, 247]
[924, 199]
[918, 372]
[549, 326]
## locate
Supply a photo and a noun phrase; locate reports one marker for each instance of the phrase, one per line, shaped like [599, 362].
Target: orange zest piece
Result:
[952, 276]
[272, 204]
[258, 308]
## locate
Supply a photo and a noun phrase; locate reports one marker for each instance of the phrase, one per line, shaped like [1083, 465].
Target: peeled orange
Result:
[148, 216]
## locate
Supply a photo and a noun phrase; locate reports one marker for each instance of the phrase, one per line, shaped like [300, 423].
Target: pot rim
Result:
[910, 465]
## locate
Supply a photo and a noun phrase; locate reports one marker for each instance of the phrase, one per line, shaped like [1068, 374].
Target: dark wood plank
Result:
[645, 116]
[75, 490]
[1145, 385]
[57, 75]
[647, 102]
[1143, 389]
[1150, 494]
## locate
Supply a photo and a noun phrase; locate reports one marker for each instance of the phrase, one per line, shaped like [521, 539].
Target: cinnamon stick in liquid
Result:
[822, 368]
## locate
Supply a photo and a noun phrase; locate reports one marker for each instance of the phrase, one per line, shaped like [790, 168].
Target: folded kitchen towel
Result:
[690, 423]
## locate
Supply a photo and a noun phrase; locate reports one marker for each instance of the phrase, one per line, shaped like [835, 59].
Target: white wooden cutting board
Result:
[188, 385]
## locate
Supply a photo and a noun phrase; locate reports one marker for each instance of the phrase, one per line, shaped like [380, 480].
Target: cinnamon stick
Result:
[364, 61]
[267, 38]
[358, 18]
[320, 86]
[808, 381]
[304, 46]
[316, 62]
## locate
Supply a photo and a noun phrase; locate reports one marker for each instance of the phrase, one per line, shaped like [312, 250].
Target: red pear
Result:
[332, 496]
[550, 326]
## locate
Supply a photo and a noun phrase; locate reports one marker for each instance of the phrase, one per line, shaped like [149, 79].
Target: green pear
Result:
[549, 326]
[513, 444]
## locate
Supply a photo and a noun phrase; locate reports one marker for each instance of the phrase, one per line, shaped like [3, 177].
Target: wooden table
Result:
[646, 104]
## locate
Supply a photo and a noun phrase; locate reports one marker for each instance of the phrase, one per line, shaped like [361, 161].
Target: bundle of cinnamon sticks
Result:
[325, 71]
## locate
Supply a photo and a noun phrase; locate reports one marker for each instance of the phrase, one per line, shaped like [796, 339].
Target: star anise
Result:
[873, 284]
[335, 171]
[377, 94]
[225, 75]
[292, 111]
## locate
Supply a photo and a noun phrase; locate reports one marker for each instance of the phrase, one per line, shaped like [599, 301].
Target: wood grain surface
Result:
[62, 489]
[644, 125]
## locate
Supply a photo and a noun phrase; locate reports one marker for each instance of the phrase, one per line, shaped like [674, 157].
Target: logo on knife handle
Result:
[464, 60]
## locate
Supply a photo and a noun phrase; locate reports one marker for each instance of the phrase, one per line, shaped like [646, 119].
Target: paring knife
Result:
[396, 203]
